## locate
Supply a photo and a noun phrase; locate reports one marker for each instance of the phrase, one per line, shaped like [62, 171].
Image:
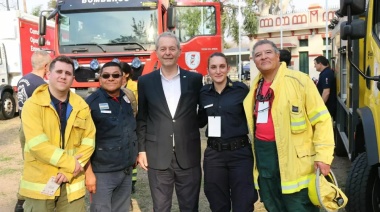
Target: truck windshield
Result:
[110, 27]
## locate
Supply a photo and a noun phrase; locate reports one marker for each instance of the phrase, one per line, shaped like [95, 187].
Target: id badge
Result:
[51, 187]
[214, 126]
[125, 97]
[103, 106]
[263, 112]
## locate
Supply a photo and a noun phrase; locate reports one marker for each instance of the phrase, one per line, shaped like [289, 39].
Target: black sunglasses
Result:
[106, 76]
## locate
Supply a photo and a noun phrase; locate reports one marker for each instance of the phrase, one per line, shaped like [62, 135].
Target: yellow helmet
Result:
[324, 192]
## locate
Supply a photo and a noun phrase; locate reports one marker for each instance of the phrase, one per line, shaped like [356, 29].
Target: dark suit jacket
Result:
[155, 125]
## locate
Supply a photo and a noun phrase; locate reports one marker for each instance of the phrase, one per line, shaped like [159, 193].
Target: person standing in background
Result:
[26, 85]
[326, 84]
[127, 78]
[128, 83]
[285, 56]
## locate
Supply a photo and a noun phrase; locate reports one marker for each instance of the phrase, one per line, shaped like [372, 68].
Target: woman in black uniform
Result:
[228, 160]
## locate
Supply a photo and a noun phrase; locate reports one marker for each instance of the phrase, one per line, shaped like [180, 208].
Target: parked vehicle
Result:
[18, 40]
[95, 33]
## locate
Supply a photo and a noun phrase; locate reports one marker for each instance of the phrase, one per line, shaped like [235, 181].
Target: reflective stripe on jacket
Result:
[302, 125]
[44, 157]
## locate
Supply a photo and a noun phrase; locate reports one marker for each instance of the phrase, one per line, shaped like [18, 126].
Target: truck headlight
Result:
[76, 64]
[94, 64]
[116, 60]
[136, 62]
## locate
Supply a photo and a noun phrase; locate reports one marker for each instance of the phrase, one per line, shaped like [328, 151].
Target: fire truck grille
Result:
[84, 74]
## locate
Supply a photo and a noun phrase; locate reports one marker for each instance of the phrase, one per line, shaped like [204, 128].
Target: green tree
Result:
[250, 19]
[36, 10]
[139, 28]
[52, 4]
[249, 25]
[188, 18]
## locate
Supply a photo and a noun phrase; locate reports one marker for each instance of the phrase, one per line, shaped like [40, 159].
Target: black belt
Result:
[228, 144]
[128, 171]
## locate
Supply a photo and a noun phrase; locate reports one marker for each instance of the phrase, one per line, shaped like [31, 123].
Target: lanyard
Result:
[259, 96]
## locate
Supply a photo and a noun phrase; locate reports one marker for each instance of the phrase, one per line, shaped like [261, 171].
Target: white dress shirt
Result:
[172, 91]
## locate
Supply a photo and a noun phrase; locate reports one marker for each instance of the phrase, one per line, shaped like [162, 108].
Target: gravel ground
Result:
[11, 165]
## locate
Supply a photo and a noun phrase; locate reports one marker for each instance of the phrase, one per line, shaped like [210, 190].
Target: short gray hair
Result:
[170, 35]
[262, 42]
[39, 59]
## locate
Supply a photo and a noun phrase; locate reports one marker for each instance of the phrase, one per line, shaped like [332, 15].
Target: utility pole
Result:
[24, 5]
[281, 31]
[327, 29]
[240, 67]
[7, 3]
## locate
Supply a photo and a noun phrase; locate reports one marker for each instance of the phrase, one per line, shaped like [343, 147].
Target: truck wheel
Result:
[8, 106]
[363, 186]
[340, 149]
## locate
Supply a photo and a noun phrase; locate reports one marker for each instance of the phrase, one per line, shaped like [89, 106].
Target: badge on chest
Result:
[263, 112]
[214, 126]
[104, 108]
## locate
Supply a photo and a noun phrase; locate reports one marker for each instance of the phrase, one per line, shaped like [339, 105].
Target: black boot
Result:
[19, 206]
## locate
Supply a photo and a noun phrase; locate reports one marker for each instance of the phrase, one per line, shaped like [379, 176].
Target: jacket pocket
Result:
[304, 163]
[150, 137]
[29, 158]
[297, 117]
[304, 151]
[79, 127]
[108, 155]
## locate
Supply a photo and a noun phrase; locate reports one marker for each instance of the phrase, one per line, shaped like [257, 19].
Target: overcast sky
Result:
[299, 4]
[30, 4]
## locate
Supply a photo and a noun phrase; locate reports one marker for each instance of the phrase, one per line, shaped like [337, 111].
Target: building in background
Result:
[304, 35]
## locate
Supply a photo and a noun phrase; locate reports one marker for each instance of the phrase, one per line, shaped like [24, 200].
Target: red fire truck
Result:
[93, 32]
[18, 40]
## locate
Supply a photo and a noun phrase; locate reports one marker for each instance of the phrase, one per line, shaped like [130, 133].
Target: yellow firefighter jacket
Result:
[44, 157]
[302, 126]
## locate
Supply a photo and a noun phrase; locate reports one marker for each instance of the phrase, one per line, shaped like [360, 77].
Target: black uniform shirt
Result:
[61, 108]
[115, 147]
[228, 105]
[327, 80]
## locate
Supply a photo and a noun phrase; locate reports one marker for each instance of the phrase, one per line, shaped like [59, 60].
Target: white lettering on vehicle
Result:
[33, 31]
[33, 48]
[34, 40]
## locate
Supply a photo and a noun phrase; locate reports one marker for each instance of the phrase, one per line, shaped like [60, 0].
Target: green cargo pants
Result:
[59, 204]
[22, 142]
[270, 183]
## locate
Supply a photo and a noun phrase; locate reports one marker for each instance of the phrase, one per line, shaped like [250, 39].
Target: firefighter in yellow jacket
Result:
[59, 135]
[291, 129]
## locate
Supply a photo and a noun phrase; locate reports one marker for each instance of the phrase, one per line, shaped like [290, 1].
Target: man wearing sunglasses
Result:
[109, 172]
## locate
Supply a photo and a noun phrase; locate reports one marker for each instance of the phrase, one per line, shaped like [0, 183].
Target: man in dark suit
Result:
[167, 129]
